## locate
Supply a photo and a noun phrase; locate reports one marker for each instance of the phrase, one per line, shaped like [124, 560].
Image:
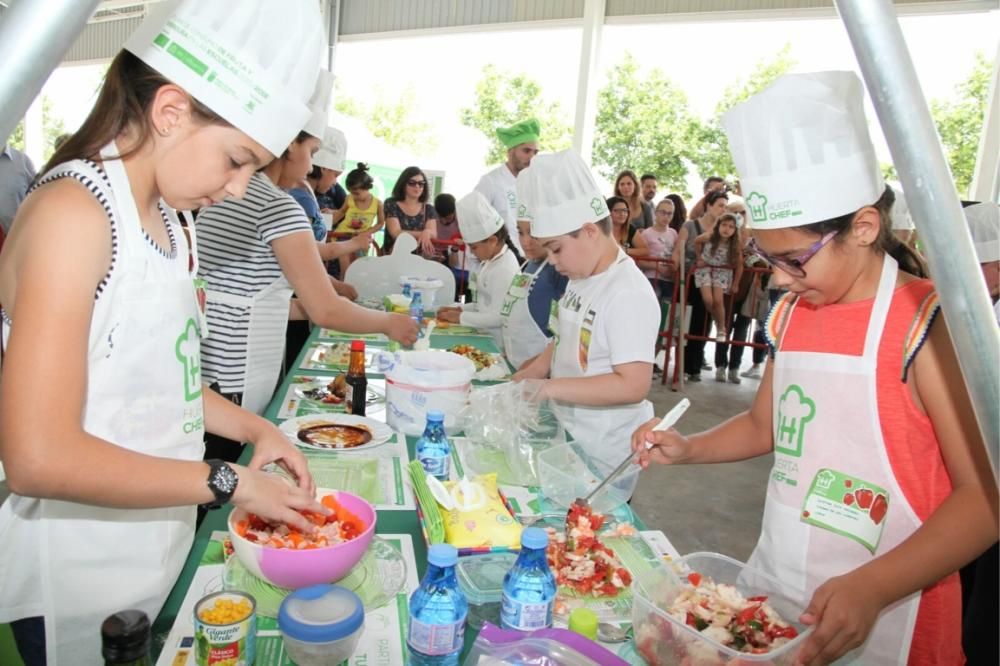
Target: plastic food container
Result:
[567, 472]
[419, 381]
[293, 569]
[426, 287]
[481, 580]
[321, 625]
[663, 640]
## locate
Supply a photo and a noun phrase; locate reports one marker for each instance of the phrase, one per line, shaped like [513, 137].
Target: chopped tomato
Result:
[694, 578]
[746, 614]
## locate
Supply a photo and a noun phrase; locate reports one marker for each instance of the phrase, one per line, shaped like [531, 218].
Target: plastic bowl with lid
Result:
[321, 625]
[567, 472]
[286, 567]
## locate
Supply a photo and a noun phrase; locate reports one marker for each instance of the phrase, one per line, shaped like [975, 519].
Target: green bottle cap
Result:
[584, 622]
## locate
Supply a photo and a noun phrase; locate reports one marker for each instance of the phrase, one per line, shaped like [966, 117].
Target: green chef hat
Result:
[518, 133]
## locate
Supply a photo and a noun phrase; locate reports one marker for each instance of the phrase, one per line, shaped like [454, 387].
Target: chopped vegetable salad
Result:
[340, 526]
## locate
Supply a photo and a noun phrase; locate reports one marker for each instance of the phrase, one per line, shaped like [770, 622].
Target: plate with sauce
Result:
[336, 432]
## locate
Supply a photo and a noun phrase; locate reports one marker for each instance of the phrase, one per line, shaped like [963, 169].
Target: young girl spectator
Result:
[485, 235]
[720, 254]
[680, 212]
[362, 212]
[881, 487]
[660, 240]
[407, 211]
[640, 212]
[103, 488]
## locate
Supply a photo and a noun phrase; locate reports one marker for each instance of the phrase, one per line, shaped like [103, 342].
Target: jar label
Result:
[436, 639]
[524, 616]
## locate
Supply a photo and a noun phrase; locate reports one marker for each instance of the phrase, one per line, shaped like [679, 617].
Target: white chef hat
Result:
[477, 219]
[984, 225]
[241, 64]
[319, 105]
[560, 192]
[333, 151]
[802, 150]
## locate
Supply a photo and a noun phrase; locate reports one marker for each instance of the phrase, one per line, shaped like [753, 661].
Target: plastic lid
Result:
[442, 555]
[125, 636]
[534, 537]
[357, 345]
[584, 622]
[481, 577]
[435, 415]
[320, 614]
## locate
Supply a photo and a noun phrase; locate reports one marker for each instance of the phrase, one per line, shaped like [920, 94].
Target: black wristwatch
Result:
[222, 480]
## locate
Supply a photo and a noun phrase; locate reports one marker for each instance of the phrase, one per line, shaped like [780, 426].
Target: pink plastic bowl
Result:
[300, 568]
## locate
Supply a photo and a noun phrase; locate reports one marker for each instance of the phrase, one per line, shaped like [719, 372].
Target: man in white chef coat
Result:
[498, 185]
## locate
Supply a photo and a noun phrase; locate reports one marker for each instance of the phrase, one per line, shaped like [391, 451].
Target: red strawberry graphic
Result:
[880, 506]
[864, 497]
[805, 514]
[847, 483]
[848, 499]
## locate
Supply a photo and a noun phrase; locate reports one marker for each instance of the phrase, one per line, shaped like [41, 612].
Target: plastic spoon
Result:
[424, 343]
[669, 420]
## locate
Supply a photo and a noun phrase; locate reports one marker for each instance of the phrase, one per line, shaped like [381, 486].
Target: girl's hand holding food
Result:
[272, 497]
[271, 446]
[669, 447]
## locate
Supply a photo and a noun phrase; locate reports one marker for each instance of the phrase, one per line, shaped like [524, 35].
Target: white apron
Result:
[605, 432]
[522, 338]
[76, 563]
[265, 340]
[833, 503]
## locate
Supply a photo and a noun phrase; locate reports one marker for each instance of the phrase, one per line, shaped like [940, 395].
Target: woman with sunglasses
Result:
[407, 211]
[881, 487]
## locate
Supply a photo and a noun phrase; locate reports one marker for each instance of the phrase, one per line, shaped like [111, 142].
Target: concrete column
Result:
[586, 87]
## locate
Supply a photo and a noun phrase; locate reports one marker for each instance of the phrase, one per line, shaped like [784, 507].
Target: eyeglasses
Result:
[416, 183]
[792, 265]
[619, 210]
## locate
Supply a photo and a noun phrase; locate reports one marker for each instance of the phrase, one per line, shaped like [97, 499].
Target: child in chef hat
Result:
[599, 365]
[486, 236]
[881, 488]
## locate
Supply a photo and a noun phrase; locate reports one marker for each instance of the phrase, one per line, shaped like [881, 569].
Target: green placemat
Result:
[355, 475]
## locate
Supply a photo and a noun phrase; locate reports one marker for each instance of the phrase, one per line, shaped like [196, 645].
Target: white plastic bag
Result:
[419, 381]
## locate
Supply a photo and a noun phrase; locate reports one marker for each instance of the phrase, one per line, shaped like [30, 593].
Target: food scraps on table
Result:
[336, 353]
[480, 358]
[333, 393]
[719, 612]
[340, 526]
[581, 562]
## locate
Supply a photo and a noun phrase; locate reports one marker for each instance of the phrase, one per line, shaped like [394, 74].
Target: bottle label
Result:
[436, 639]
[438, 466]
[523, 616]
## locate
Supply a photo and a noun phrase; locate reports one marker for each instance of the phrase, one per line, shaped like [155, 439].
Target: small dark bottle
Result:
[126, 639]
[357, 382]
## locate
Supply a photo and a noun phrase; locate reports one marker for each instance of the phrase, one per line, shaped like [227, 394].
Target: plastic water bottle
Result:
[407, 289]
[417, 313]
[437, 612]
[529, 588]
[433, 448]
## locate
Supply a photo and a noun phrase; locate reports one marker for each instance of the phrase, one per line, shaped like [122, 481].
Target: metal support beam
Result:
[985, 184]
[332, 9]
[930, 192]
[586, 86]
[34, 37]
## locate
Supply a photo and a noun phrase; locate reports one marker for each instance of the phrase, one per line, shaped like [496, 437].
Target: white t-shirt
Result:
[499, 186]
[492, 282]
[235, 256]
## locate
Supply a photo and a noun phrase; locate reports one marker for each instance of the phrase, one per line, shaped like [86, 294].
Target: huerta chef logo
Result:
[761, 211]
[795, 410]
[599, 205]
[188, 352]
[758, 207]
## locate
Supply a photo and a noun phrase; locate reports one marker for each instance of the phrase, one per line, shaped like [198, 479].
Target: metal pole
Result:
[930, 192]
[34, 37]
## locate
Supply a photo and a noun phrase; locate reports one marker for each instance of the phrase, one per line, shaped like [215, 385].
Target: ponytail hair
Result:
[887, 242]
[503, 236]
[359, 177]
[123, 103]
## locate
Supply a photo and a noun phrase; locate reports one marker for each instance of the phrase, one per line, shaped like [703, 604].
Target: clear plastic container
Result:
[321, 625]
[663, 640]
[481, 579]
[566, 472]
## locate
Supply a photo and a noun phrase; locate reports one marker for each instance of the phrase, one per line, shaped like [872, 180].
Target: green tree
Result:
[713, 158]
[390, 118]
[52, 127]
[959, 121]
[502, 99]
[644, 123]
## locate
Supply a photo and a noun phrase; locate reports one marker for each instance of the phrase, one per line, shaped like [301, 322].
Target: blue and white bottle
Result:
[529, 588]
[433, 449]
[438, 610]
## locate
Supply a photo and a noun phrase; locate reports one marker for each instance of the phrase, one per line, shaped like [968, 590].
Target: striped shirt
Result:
[235, 257]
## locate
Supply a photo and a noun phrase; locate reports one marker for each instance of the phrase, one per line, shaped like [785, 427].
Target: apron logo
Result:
[188, 352]
[586, 333]
[571, 301]
[795, 410]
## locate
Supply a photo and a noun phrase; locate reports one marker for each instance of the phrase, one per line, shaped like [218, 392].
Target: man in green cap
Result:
[498, 185]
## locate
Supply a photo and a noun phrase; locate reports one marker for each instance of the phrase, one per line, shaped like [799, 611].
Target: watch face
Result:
[225, 479]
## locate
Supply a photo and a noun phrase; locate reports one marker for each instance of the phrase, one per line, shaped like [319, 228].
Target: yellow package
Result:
[481, 519]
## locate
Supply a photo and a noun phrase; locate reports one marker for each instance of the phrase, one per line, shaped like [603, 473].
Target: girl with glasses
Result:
[407, 211]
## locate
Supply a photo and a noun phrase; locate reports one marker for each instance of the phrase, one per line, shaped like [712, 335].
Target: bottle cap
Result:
[125, 636]
[442, 555]
[435, 415]
[584, 622]
[534, 537]
[357, 345]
